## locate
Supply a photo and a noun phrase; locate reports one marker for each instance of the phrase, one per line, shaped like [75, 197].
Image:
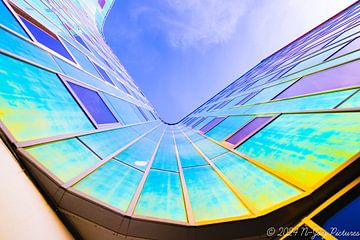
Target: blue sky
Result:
[182, 52]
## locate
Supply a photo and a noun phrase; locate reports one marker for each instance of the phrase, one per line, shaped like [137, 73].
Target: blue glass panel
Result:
[104, 74]
[8, 20]
[47, 40]
[187, 153]
[93, 104]
[208, 148]
[81, 41]
[165, 158]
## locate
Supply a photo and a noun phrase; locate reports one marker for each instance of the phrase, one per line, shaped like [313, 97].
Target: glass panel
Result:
[81, 41]
[211, 124]
[187, 153]
[262, 189]
[226, 127]
[208, 119]
[47, 40]
[352, 102]
[165, 158]
[208, 148]
[139, 154]
[198, 122]
[104, 74]
[107, 142]
[268, 93]
[247, 130]
[306, 147]
[65, 159]
[342, 76]
[113, 183]
[162, 197]
[123, 110]
[248, 97]
[8, 20]
[342, 216]
[35, 104]
[211, 199]
[352, 46]
[93, 104]
[26, 50]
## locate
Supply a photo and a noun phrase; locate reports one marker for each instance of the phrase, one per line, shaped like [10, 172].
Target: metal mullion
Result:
[82, 175]
[136, 196]
[251, 208]
[264, 167]
[66, 136]
[185, 192]
[318, 229]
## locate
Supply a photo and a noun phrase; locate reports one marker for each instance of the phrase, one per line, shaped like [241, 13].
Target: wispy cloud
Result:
[188, 23]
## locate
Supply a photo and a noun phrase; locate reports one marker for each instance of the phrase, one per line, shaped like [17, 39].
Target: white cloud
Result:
[188, 23]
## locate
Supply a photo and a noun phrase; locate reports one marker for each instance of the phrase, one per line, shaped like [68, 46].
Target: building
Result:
[273, 155]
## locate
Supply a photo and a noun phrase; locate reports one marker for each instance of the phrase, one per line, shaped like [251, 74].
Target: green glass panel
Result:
[306, 147]
[162, 197]
[165, 157]
[353, 102]
[113, 183]
[8, 20]
[210, 198]
[139, 154]
[35, 104]
[188, 155]
[65, 159]
[228, 126]
[26, 50]
[262, 189]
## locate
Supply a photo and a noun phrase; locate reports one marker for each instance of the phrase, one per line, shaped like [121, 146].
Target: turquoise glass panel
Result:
[188, 155]
[8, 20]
[207, 147]
[139, 154]
[353, 102]
[314, 102]
[65, 159]
[35, 104]
[162, 197]
[268, 93]
[113, 183]
[228, 126]
[306, 147]
[26, 50]
[260, 188]
[83, 61]
[210, 198]
[124, 110]
[165, 157]
[108, 142]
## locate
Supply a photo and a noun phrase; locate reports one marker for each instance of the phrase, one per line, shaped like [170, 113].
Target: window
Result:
[247, 98]
[103, 74]
[81, 41]
[247, 130]
[342, 76]
[94, 104]
[46, 37]
[211, 124]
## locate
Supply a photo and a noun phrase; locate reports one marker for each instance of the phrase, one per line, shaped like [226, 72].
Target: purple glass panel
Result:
[102, 3]
[346, 75]
[198, 122]
[93, 104]
[211, 124]
[247, 98]
[352, 46]
[47, 40]
[248, 129]
[103, 74]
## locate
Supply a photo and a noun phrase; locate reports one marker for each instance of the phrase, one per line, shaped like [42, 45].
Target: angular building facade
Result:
[273, 155]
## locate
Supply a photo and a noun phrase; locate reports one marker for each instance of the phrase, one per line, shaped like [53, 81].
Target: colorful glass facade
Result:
[268, 141]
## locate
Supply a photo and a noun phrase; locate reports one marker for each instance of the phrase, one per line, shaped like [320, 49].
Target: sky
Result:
[182, 52]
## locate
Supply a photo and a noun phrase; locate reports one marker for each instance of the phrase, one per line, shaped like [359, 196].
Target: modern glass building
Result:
[273, 155]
